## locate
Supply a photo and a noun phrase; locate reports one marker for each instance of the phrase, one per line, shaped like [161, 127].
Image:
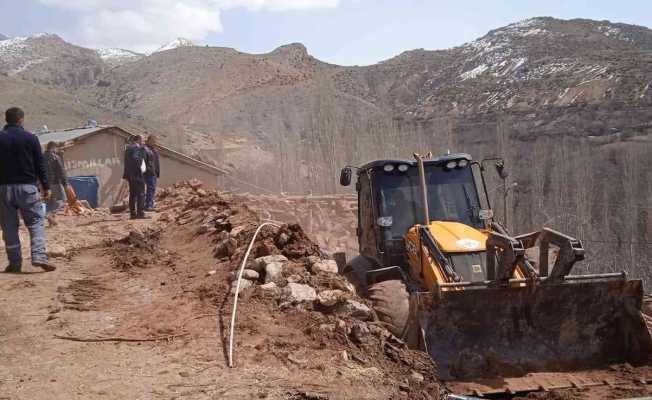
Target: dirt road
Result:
[74, 333]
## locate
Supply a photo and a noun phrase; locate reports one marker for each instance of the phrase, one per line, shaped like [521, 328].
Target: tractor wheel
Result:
[391, 302]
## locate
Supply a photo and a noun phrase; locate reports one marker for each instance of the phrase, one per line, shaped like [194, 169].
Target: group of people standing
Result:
[142, 170]
[24, 167]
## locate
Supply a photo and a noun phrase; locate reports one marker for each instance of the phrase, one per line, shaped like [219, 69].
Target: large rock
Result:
[296, 293]
[250, 274]
[273, 272]
[55, 251]
[246, 274]
[356, 310]
[261, 262]
[244, 284]
[271, 286]
[324, 266]
[329, 298]
[226, 248]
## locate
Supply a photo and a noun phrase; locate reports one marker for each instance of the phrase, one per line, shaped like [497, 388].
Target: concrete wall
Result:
[102, 155]
[175, 169]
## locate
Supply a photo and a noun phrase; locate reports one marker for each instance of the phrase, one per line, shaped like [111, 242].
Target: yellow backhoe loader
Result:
[448, 278]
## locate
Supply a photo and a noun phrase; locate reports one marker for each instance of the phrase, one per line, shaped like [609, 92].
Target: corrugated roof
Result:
[69, 134]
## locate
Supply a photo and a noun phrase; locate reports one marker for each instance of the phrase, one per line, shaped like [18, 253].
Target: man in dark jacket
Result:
[134, 173]
[152, 172]
[21, 168]
[57, 179]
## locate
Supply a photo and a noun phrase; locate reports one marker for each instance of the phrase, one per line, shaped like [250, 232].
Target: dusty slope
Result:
[58, 110]
[152, 284]
[46, 106]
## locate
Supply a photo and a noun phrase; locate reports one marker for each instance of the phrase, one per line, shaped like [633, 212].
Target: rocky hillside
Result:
[531, 64]
[48, 59]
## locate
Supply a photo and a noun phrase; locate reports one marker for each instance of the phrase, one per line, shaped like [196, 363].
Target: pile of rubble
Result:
[284, 261]
[289, 272]
[329, 220]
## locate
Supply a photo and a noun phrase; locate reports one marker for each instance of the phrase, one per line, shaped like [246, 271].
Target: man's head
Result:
[151, 140]
[14, 116]
[137, 139]
[51, 146]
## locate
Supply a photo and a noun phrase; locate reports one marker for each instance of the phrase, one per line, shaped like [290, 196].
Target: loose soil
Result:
[132, 312]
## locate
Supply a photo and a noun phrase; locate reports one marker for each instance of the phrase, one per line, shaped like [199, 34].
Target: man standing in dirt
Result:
[21, 168]
[152, 172]
[134, 173]
[58, 181]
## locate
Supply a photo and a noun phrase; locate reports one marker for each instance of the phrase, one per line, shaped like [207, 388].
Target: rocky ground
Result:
[141, 310]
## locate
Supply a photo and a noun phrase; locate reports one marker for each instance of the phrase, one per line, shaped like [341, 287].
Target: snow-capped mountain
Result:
[115, 57]
[525, 65]
[176, 43]
[3, 37]
[46, 58]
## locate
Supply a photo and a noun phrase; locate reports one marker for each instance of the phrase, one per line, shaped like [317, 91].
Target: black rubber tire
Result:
[391, 301]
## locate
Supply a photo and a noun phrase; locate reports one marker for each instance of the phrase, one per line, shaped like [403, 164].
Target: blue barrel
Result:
[87, 188]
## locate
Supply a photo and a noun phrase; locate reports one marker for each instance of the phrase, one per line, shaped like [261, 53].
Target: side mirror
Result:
[345, 176]
[500, 168]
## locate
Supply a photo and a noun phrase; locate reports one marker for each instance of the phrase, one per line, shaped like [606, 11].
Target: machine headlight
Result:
[403, 167]
[388, 167]
[451, 164]
[462, 163]
[385, 221]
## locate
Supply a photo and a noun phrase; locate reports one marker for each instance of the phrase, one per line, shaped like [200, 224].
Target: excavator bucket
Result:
[578, 323]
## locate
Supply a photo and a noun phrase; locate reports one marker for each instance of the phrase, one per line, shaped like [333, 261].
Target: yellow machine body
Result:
[452, 238]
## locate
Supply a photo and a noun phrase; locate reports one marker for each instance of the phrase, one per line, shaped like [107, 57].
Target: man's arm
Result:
[62, 171]
[39, 164]
[125, 163]
[158, 163]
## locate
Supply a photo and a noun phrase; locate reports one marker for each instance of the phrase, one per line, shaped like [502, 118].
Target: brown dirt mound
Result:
[354, 341]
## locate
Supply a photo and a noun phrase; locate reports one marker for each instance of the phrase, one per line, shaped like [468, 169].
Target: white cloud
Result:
[143, 25]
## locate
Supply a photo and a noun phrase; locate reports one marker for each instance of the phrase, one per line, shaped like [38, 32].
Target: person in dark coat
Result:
[134, 173]
[21, 169]
[152, 171]
[58, 181]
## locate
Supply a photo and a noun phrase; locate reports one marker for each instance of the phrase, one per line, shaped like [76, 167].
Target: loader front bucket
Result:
[511, 331]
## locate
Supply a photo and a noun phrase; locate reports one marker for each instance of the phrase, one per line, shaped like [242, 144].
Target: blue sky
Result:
[339, 31]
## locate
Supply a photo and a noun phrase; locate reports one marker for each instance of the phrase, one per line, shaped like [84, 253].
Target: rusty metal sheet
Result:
[509, 332]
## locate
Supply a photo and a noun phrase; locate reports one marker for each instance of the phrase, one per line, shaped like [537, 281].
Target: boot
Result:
[46, 266]
[13, 269]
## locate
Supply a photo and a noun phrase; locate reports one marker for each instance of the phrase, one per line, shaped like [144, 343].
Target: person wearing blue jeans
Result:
[21, 168]
[152, 171]
[134, 173]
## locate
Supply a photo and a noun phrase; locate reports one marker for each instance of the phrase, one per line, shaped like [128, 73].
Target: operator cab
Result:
[390, 201]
